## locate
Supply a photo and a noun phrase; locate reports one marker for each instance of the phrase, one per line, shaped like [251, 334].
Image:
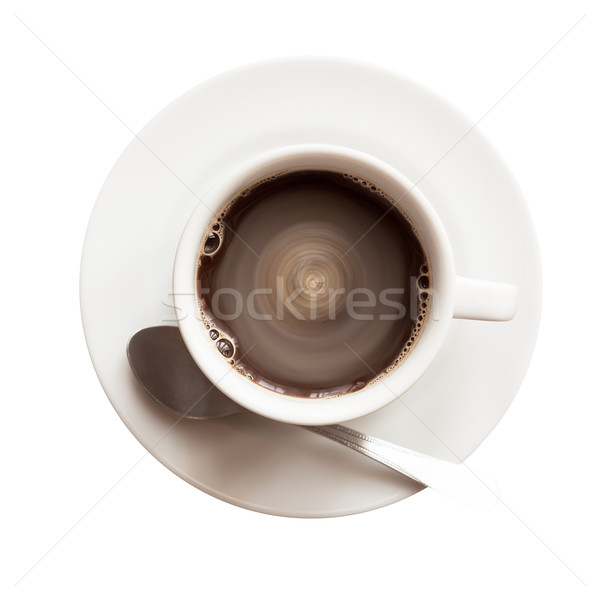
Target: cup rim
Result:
[300, 410]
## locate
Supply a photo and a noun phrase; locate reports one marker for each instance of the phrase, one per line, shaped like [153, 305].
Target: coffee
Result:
[313, 283]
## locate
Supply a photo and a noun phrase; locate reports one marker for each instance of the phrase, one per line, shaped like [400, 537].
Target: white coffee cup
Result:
[452, 296]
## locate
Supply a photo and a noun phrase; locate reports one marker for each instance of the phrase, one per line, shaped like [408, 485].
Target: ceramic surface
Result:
[490, 299]
[154, 187]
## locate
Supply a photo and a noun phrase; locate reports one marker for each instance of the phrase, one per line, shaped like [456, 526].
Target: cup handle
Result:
[484, 300]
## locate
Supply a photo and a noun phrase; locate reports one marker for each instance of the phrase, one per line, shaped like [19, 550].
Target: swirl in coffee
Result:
[313, 283]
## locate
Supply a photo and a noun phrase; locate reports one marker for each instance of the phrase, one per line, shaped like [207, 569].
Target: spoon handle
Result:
[454, 480]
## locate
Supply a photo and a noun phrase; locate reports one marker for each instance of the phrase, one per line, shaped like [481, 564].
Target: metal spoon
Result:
[166, 371]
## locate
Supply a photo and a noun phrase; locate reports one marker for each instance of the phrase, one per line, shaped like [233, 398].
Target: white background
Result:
[104, 529]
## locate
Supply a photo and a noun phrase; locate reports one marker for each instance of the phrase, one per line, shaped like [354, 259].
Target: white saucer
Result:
[143, 206]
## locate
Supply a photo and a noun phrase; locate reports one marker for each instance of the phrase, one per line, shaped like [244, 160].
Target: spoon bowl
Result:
[167, 372]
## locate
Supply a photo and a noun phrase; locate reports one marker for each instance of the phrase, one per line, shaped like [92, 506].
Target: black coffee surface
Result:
[307, 283]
